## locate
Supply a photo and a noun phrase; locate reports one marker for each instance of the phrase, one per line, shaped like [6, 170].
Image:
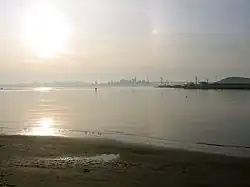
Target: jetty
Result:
[227, 83]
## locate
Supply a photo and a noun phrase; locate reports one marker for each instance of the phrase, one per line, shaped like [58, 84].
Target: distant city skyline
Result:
[88, 40]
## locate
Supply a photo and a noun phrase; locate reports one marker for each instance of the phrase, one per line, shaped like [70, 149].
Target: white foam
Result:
[97, 158]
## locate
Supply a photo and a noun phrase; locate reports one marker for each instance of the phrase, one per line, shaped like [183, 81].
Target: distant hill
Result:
[235, 80]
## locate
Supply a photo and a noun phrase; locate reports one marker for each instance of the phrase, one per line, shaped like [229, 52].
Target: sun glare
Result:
[155, 31]
[46, 123]
[44, 128]
[45, 31]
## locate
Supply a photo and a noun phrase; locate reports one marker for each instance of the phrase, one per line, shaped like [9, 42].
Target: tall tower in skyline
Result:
[161, 80]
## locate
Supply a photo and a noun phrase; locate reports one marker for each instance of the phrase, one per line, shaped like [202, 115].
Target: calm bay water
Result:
[214, 121]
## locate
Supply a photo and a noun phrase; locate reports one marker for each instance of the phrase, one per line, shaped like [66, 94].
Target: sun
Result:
[155, 31]
[45, 31]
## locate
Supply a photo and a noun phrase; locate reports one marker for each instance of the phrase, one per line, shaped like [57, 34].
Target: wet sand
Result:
[66, 162]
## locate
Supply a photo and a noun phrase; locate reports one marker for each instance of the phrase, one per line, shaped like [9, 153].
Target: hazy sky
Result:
[113, 39]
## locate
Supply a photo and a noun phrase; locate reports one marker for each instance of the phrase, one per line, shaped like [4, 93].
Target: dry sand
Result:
[65, 162]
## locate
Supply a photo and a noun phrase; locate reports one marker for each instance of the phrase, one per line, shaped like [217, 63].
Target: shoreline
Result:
[62, 161]
[235, 150]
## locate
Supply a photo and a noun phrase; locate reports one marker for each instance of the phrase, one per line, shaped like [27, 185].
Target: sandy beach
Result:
[53, 161]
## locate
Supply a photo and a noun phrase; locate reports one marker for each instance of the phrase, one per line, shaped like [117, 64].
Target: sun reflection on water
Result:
[42, 89]
[44, 128]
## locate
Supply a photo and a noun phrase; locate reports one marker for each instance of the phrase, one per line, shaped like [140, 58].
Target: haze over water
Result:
[162, 117]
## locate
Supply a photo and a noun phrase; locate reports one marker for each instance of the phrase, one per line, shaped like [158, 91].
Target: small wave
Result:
[223, 145]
